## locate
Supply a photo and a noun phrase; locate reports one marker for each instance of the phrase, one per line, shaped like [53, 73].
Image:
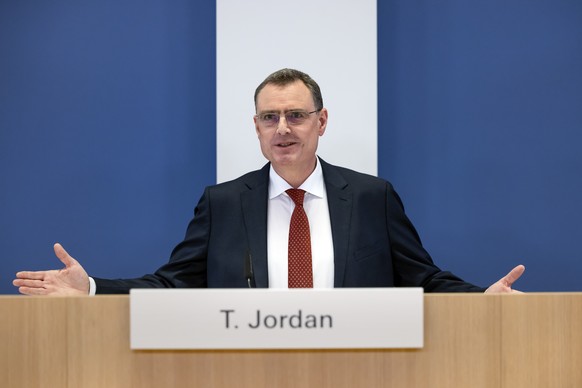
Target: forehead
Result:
[279, 98]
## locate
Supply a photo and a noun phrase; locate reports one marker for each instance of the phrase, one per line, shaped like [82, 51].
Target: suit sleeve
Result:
[187, 265]
[413, 266]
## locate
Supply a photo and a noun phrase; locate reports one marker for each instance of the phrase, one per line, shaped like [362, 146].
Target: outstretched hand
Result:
[71, 280]
[504, 285]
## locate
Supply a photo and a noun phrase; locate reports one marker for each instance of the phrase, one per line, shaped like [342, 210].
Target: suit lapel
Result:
[254, 203]
[339, 199]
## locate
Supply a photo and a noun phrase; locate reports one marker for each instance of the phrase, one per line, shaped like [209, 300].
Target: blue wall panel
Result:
[107, 130]
[480, 130]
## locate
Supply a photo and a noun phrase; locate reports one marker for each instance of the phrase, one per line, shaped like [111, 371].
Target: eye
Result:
[296, 115]
[269, 117]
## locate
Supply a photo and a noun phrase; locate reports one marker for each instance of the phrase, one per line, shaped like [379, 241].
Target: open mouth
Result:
[284, 145]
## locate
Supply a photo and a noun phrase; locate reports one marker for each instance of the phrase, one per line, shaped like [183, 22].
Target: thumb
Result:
[63, 256]
[514, 274]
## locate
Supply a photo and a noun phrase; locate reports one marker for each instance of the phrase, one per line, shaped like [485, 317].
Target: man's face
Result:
[289, 147]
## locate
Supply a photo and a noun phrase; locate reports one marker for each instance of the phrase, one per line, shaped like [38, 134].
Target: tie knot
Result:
[297, 196]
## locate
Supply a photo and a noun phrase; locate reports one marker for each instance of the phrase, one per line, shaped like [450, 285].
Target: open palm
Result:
[71, 280]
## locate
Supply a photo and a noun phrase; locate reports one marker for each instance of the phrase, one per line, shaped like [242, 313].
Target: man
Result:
[244, 231]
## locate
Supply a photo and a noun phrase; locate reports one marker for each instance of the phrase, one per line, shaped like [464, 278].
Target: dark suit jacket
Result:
[375, 244]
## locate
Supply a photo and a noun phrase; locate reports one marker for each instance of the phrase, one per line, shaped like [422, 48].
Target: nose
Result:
[282, 128]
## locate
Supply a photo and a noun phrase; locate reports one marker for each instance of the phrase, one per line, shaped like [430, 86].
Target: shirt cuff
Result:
[92, 287]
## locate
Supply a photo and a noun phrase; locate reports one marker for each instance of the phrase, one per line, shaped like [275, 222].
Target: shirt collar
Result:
[312, 185]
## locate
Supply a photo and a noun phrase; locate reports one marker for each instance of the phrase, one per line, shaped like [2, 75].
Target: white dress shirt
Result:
[279, 212]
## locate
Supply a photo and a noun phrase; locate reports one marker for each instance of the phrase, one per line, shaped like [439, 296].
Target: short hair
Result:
[285, 77]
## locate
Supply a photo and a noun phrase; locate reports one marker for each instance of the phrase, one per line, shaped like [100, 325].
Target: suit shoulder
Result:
[359, 179]
[247, 181]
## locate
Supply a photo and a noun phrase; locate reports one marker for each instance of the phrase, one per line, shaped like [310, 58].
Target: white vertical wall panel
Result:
[334, 41]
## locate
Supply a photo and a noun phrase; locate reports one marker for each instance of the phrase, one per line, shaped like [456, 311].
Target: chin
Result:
[283, 158]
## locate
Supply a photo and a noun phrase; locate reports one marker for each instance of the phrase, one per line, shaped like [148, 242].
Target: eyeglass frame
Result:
[278, 115]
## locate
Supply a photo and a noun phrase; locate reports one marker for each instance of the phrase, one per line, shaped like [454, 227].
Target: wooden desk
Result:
[531, 340]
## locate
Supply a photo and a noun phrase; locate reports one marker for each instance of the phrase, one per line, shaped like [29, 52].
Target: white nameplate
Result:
[276, 319]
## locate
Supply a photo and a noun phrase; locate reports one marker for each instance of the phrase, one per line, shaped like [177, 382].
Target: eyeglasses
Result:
[292, 117]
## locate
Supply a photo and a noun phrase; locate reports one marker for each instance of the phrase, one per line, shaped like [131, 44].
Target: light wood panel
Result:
[98, 351]
[542, 340]
[532, 340]
[33, 341]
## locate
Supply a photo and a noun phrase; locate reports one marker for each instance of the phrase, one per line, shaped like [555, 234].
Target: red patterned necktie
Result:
[300, 270]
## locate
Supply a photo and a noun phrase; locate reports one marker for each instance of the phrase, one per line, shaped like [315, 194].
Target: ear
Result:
[322, 121]
[255, 120]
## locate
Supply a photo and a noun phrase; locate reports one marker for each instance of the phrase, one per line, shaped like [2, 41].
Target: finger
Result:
[28, 283]
[63, 255]
[32, 291]
[513, 275]
[31, 275]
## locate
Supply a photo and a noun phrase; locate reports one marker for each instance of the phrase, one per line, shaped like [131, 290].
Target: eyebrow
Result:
[285, 111]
